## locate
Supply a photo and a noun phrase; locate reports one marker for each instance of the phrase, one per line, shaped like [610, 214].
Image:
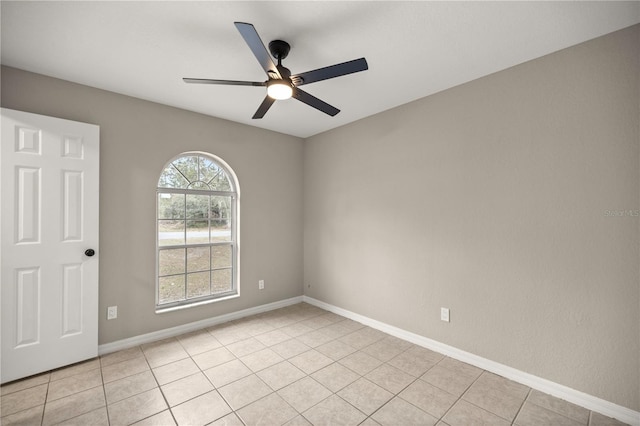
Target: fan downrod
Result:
[279, 49]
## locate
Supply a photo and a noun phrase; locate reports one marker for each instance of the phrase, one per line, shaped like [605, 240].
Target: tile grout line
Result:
[217, 389]
[552, 410]
[369, 416]
[233, 410]
[307, 375]
[255, 372]
[46, 395]
[419, 378]
[526, 398]
[104, 392]
[460, 398]
[336, 393]
[159, 388]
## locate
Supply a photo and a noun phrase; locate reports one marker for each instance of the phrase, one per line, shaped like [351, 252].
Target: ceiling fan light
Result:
[279, 89]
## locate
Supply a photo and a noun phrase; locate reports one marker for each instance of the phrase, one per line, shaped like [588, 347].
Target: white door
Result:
[49, 215]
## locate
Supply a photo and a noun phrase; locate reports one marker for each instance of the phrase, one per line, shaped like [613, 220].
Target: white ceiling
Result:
[414, 49]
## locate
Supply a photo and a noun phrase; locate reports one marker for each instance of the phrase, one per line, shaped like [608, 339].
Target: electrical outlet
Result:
[444, 314]
[112, 312]
[261, 285]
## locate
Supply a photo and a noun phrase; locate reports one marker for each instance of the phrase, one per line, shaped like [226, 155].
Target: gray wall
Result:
[490, 199]
[137, 138]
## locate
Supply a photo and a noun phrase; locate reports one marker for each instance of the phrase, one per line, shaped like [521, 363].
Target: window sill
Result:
[161, 310]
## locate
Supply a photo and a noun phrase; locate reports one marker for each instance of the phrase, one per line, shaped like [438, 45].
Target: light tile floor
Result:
[299, 365]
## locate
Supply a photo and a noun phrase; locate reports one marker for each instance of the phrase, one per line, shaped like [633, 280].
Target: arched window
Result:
[197, 231]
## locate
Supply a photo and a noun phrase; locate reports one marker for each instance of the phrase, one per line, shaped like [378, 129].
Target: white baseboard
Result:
[582, 399]
[192, 326]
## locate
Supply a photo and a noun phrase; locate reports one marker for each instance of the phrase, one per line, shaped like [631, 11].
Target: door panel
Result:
[27, 204]
[27, 312]
[49, 171]
[72, 205]
[72, 299]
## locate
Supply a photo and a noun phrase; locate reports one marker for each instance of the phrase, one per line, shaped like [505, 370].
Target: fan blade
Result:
[226, 82]
[251, 37]
[264, 107]
[312, 101]
[332, 71]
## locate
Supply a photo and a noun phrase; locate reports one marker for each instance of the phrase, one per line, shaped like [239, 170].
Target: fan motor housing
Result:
[279, 49]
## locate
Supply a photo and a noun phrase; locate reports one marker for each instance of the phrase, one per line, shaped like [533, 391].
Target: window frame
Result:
[234, 218]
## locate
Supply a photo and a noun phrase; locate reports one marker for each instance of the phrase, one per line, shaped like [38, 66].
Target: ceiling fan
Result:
[280, 83]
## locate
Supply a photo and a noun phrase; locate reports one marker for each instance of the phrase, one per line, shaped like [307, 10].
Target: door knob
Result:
[89, 252]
